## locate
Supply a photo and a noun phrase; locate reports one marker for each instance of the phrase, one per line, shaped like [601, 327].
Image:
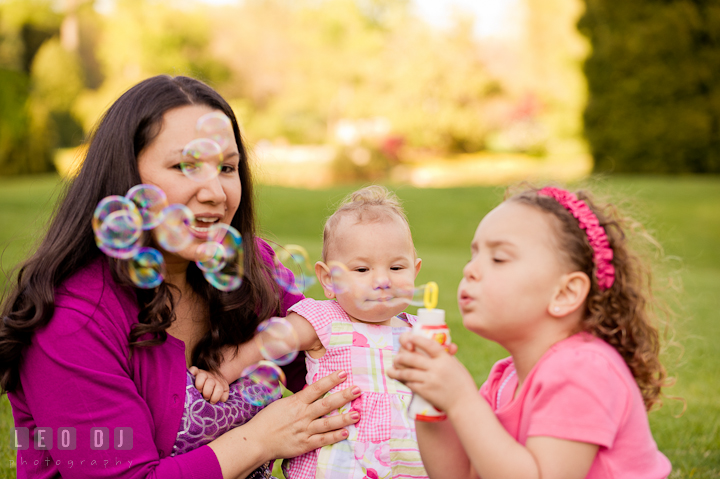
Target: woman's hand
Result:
[295, 425]
[435, 374]
[213, 387]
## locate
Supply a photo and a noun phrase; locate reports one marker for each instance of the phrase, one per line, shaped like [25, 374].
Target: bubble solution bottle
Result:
[430, 324]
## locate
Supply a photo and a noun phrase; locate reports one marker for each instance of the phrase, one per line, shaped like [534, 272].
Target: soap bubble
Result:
[202, 159]
[173, 233]
[117, 225]
[277, 340]
[147, 268]
[425, 295]
[111, 204]
[339, 277]
[229, 276]
[211, 257]
[151, 202]
[295, 259]
[216, 126]
[268, 377]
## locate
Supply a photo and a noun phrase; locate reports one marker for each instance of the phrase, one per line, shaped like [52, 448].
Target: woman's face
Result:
[211, 201]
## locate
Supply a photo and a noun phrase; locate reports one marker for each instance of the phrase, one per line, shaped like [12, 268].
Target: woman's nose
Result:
[211, 191]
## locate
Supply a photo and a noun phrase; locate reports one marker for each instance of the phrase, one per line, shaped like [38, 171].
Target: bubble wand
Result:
[430, 324]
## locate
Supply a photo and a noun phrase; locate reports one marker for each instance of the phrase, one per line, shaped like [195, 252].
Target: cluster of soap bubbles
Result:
[296, 275]
[278, 344]
[119, 221]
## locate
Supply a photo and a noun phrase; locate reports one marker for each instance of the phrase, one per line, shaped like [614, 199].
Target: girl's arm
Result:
[237, 358]
[488, 447]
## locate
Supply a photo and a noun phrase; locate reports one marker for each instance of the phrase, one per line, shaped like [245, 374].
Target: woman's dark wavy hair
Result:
[622, 315]
[111, 168]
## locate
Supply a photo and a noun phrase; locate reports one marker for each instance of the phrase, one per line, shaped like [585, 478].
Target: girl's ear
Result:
[570, 295]
[322, 271]
[418, 264]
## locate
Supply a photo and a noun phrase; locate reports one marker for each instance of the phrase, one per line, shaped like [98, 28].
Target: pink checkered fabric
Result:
[383, 442]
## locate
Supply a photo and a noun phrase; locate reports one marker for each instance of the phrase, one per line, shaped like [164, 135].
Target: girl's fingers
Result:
[193, 370]
[428, 346]
[407, 376]
[411, 360]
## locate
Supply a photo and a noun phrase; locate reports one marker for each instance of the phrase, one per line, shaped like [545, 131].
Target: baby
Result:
[369, 266]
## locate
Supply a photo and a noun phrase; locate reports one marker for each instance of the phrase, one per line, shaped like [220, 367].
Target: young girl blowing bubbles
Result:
[552, 280]
[369, 268]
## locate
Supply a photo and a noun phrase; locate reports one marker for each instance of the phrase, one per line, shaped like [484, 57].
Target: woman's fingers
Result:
[317, 441]
[327, 424]
[318, 389]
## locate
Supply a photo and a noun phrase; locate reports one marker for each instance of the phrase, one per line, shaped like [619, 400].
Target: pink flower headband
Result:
[602, 253]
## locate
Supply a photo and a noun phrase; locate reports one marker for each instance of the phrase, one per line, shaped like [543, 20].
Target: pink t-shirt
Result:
[581, 390]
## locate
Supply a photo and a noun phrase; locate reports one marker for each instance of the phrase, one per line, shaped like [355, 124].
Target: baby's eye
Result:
[397, 268]
[362, 270]
[499, 260]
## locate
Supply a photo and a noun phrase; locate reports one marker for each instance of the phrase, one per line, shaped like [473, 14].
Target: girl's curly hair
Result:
[622, 315]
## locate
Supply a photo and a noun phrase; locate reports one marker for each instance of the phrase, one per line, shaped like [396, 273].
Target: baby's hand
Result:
[213, 387]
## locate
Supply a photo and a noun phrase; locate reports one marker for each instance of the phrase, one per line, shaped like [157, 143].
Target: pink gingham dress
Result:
[383, 443]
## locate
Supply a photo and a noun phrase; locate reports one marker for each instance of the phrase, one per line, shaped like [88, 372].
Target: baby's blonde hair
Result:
[370, 204]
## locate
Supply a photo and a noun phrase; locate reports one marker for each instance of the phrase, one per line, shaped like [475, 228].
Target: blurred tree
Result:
[299, 69]
[25, 146]
[654, 85]
[144, 38]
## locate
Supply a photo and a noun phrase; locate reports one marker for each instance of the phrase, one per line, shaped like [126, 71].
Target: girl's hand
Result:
[213, 387]
[427, 369]
[295, 425]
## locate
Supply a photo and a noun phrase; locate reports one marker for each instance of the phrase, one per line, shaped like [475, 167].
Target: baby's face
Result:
[381, 263]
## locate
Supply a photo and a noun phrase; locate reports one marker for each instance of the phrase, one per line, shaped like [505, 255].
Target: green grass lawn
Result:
[683, 213]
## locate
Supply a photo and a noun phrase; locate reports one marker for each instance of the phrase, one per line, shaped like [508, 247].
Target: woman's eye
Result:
[228, 169]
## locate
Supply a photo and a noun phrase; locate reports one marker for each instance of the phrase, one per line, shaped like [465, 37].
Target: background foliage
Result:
[654, 85]
[294, 72]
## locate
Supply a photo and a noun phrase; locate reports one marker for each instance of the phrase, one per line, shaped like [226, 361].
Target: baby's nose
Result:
[381, 281]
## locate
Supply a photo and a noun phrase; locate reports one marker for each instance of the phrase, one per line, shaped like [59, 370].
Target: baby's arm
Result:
[236, 358]
[473, 442]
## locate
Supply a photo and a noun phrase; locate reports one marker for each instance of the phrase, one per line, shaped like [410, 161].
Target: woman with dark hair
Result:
[96, 369]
